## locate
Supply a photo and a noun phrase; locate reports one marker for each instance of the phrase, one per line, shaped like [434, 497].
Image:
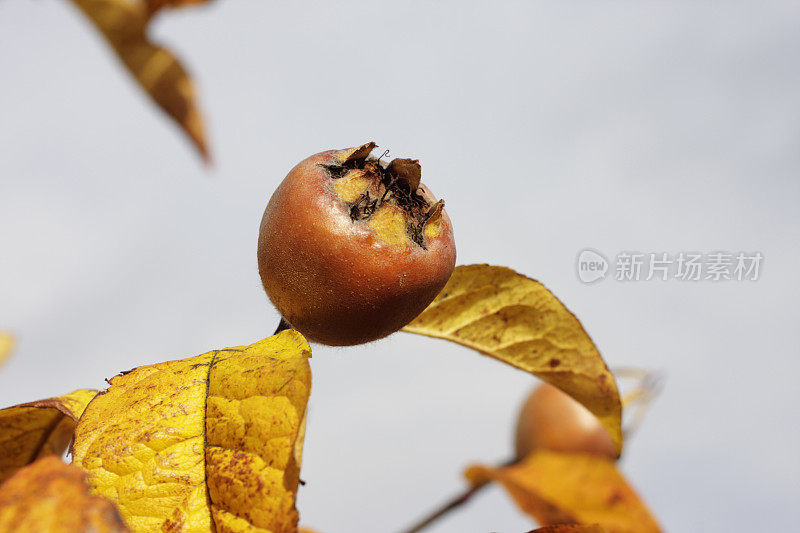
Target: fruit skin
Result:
[334, 279]
[550, 419]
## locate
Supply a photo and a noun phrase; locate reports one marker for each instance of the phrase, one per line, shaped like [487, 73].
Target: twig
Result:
[455, 503]
[282, 325]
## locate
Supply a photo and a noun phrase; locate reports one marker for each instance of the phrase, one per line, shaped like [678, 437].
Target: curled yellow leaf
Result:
[32, 430]
[6, 345]
[124, 25]
[49, 496]
[556, 488]
[515, 319]
[206, 443]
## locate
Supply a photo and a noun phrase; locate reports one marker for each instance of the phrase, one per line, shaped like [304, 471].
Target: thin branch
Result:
[282, 325]
[455, 503]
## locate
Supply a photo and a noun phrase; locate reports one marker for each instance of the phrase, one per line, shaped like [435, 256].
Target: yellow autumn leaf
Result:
[212, 442]
[6, 345]
[124, 25]
[37, 429]
[155, 5]
[49, 496]
[558, 488]
[515, 319]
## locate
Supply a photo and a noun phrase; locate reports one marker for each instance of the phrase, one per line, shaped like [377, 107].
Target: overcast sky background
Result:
[548, 128]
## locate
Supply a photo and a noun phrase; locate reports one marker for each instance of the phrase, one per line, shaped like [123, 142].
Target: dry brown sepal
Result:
[6, 345]
[37, 429]
[49, 496]
[124, 25]
[515, 319]
[569, 488]
[209, 443]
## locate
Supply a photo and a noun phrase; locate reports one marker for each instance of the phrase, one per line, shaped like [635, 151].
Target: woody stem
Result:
[282, 325]
[452, 504]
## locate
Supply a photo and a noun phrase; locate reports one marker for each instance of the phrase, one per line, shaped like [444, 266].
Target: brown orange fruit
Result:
[551, 420]
[351, 248]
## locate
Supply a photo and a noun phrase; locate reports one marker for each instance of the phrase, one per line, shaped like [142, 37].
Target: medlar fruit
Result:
[351, 249]
[551, 420]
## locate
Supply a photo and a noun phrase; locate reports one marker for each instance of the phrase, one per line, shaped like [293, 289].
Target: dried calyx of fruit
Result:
[352, 248]
[388, 196]
[551, 420]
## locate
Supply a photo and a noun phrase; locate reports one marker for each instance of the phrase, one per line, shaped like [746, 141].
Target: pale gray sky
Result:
[657, 127]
